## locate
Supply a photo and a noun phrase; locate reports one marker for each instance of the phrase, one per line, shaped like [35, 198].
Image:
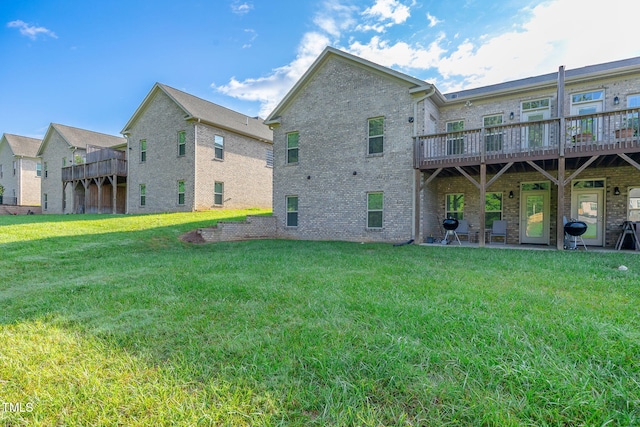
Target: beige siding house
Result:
[67, 185]
[188, 154]
[20, 170]
[362, 152]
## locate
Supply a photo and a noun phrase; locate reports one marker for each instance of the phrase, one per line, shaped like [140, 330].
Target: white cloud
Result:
[550, 34]
[253, 35]
[269, 90]
[433, 21]
[400, 54]
[31, 31]
[554, 33]
[335, 18]
[240, 8]
[388, 10]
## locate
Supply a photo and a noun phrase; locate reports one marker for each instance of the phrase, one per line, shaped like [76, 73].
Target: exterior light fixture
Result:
[511, 115]
[616, 100]
[616, 191]
[511, 194]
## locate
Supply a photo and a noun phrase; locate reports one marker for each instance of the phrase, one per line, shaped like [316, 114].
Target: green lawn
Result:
[113, 321]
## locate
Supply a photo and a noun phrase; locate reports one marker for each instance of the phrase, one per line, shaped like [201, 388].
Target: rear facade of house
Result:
[20, 170]
[363, 153]
[187, 154]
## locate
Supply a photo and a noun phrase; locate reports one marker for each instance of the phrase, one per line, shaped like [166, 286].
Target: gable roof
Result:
[201, 110]
[614, 68]
[416, 85]
[22, 146]
[80, 138]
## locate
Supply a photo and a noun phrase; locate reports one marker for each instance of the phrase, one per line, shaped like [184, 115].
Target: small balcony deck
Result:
[102, 168]
[571, 137]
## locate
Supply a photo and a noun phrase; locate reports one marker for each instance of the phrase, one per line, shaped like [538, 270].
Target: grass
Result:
[111, 320]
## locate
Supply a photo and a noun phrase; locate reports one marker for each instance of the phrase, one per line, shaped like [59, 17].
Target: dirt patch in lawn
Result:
[192, 237]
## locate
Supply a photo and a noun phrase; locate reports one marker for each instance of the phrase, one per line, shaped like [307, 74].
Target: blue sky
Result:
[89, 64]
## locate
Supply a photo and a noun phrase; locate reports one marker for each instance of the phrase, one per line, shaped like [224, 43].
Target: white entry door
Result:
[534, 213]
[587, 205]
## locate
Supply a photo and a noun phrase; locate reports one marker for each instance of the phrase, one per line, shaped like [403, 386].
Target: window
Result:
[493, 134]
[1, 174]
[181, 189]
[45, 201]
[46, 170]
[64, 161]
[375, 202]
[455, 138]
[268, 154]
[182, 143]
[537, 134]
[376, 135]
[218, 192]
[292, 211]
[454, 206]
[292, 147]
[634, 204]
[143, 150]
[218, 147]
[631, 120]
[143, 195]
[38, 169]
[492, 208]
[15, 167]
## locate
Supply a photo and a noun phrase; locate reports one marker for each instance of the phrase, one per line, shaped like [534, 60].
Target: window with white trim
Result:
[218, 193]
[292, 147]
[218, 147]
[375, 209]
[376, 135]
[181, 192]
[182, 143]
[143, 194]
[493, 133]
[292, 211]
[455, 137]
[143, 150]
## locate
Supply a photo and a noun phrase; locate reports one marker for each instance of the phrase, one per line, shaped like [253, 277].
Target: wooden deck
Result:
[610, 133]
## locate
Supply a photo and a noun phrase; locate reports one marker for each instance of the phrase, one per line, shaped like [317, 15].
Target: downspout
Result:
[128, 186]
[195, 164]
[414, 193]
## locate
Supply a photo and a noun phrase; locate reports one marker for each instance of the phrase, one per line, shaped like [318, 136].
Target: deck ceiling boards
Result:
[574, 163]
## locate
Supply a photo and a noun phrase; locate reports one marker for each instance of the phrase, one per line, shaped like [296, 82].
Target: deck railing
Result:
[617, 130]
[109, 167]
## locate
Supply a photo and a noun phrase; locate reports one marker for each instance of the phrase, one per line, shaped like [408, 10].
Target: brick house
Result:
[20, 170]
[364, 153]
[188, 154]
[74, 177]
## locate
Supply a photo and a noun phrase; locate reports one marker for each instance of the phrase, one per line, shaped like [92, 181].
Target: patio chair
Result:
[499, 229]
[463, 228]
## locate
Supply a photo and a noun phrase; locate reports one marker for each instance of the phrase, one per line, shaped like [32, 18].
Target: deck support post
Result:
[560, 211]
[483, 193]
[114, 192]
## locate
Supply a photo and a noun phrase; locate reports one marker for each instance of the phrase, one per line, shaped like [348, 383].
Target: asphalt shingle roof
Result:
[22, 145]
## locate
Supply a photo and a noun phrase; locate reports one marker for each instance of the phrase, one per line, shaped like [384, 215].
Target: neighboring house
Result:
[82, 171]
[364, 153]
[188, 154]
[20, 170]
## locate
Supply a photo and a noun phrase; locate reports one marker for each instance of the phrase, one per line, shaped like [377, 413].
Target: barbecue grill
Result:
[450, 225]
[575, 229]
